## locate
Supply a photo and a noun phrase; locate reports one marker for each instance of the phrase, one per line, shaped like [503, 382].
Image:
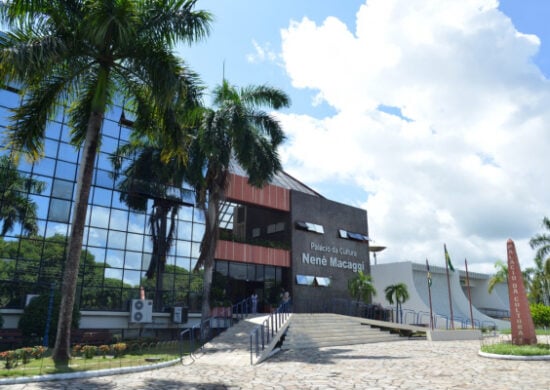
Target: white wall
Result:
[414, 276]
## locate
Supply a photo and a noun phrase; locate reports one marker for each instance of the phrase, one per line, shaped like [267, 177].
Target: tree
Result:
[501, 276]
[237, 129]
[15, 205]
[148, 177]
[87, 54]
[400, 293]
[540, 285]
[361, 288]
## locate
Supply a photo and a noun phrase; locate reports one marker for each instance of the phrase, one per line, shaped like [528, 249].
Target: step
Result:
[324, 330]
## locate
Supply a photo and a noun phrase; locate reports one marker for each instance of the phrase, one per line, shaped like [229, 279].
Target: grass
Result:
[160, 352]
[538, 331]
[505, 347]
[517, 350]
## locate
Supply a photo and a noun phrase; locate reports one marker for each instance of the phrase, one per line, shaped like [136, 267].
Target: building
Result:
[283, 237]
[487, 310]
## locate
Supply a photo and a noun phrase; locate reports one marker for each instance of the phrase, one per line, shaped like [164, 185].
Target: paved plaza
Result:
[408, 364]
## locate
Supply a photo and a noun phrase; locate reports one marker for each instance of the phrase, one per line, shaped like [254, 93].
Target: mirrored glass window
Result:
[62, 189]
[60, 210]
[117, 239]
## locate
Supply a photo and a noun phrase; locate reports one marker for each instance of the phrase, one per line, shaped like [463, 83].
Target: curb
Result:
[513, 357]
[86, 374]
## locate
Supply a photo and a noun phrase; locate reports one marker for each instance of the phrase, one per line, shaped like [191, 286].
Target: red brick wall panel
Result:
[270, 196]
[245, 253]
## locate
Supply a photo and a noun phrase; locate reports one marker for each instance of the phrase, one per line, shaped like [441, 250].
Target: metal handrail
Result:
[264, 333]
[239, 310]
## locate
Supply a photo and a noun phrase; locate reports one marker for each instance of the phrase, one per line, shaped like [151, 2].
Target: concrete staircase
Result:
[327, 330]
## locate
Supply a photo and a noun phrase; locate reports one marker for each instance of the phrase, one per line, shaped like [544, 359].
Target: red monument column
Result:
[523, 329]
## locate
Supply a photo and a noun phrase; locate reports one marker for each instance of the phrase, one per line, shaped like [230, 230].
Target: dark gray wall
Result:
[307, 246]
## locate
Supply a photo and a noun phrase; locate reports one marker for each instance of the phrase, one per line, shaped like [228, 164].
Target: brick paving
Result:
[398, 365]
[408, 364]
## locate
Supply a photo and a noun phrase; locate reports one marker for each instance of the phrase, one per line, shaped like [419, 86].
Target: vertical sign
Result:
[523, 329]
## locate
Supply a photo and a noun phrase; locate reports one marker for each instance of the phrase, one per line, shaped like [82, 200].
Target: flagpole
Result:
[469, 293]
[430, 295]
[449, 286]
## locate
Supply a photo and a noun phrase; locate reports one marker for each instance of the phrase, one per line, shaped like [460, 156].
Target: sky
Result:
[432, 115]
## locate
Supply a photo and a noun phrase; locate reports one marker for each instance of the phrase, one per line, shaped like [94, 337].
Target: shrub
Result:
[104, 349]
[33, 320]
[119, 349]
[76, 350]
[540, 314]
[38, 351]
[10, 359]
[24, 354]
[89, 351]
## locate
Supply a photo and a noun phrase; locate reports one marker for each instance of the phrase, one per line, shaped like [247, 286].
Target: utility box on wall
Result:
[179, 314]
[141, 311]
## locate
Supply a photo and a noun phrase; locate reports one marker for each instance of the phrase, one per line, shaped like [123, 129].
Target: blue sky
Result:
[429, 114]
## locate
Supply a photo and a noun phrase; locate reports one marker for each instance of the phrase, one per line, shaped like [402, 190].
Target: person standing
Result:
[254, 299]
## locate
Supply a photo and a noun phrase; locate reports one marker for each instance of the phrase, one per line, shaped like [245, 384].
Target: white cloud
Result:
[261, 53]
[469, 168]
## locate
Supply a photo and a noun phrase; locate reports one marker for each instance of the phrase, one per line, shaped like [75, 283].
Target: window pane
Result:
[119, 219]
[62, 189]
[132, 278]
[60, 210]
[117, 239]
[68, 153]
[99, 216]
[57, 228]
[132, 260]
[97, 237]
[104, 179]
[115, 258]
[135, 242]
[237, 271]
[101, 197]
[45, 166]
[113, 273]
[137, 223]
[183, 248]
[50, 148]
[66, 170]
[198, 232]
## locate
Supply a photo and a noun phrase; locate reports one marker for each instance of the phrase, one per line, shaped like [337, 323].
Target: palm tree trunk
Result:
[208, 249]
[62, 349]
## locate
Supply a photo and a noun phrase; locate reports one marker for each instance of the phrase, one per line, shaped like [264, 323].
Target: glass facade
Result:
[117, 246]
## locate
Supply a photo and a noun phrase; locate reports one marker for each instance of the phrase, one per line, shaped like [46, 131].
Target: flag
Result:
[429, 274]
[448, 258]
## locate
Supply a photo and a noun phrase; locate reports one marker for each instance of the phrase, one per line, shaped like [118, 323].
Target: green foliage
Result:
[539, 288]
[361, 287]
[501, 276]
[401, 294]
[15, 205]
[516, 350]
[34, 261]
[33, 320]
[540, 314]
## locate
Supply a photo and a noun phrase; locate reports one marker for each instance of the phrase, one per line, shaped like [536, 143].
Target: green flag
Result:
[448, 258]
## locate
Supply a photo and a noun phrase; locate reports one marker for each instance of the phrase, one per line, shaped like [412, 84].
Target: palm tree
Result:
[149, 177]
[87, 54]
[501, 276]
[237, 129]
[401, 294]
[361, 288]
[541, 273]
[15, 205]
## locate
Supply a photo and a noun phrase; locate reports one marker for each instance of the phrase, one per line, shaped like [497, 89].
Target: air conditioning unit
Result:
[179, 314]
[141, 311]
